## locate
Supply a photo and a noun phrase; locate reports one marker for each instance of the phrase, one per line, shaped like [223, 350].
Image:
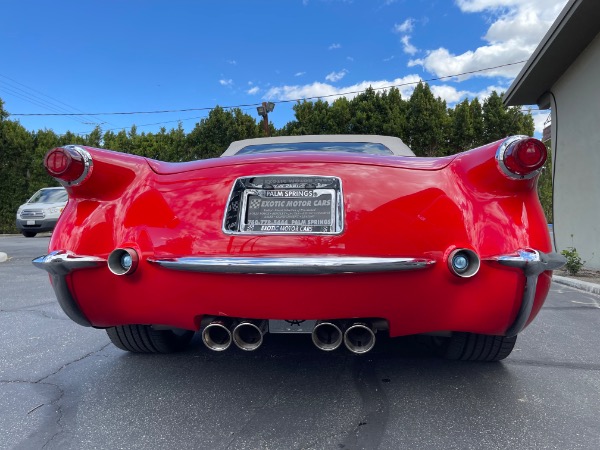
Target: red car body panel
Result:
[393, 207]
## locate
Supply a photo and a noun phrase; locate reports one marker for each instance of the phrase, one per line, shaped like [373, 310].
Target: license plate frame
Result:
[285, 204]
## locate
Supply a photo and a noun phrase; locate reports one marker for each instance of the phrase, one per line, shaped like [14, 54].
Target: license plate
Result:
[291, 326]
[285, 205]
[31, 222]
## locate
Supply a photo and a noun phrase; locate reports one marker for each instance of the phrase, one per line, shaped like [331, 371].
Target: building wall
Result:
[576, 146]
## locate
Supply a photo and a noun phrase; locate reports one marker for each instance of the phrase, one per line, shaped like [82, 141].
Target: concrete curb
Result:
[3, 257]
[592, 288]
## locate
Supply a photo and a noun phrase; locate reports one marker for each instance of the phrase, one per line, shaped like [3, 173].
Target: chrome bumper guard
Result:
[58, 264]
[532, 263]
[293, 266]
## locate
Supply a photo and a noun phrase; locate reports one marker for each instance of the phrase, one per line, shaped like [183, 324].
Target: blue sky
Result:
[96, 56]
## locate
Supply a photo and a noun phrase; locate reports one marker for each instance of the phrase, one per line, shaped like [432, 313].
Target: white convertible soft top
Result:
[396, 146]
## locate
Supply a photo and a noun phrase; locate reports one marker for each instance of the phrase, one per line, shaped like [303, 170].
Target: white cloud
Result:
[350, 58]
[405, 27]
[299, 74]
[224, 82]
[336, 76]
[453, 95]
[253, 90]
[405, 84]
[334, 46]
[516, 29]
[388, 59]
[483, 5]
[407, 46]
[233, 62]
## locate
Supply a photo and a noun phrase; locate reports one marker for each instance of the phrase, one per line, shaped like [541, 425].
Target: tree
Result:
[16, 149]
[427, 122]
[477, 119]
[212, 135]
[462, 134]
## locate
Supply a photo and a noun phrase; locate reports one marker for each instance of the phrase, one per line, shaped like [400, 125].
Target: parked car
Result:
[338, 237]
[42, 210]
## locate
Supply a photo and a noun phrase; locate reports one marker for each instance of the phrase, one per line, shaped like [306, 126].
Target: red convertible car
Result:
[338, 237]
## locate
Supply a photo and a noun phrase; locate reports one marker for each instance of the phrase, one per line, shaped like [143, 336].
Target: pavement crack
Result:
[81, 358]
[56, 403]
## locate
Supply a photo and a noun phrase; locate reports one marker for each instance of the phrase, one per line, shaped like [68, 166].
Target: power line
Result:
[249, 105]
[146, 124]
[30, 95]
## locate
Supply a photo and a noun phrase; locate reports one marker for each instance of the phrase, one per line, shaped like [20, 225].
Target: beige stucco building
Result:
[563, 74]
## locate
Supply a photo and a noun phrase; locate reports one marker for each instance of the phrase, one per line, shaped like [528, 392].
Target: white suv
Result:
[42, 210]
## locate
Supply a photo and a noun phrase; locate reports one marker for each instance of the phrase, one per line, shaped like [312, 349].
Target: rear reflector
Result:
[522, 157]
[66, 163]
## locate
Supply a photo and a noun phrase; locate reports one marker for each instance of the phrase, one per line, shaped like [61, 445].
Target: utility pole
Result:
[264, 111]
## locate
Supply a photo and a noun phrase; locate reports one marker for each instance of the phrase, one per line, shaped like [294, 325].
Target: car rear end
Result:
[340, 246]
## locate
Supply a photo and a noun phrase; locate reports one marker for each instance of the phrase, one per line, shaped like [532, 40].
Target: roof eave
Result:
[568, 36]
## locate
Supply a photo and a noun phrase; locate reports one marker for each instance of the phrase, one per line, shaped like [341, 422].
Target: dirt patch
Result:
[591, 276]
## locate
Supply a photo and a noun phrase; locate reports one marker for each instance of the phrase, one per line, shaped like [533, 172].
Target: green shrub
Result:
[574, 262]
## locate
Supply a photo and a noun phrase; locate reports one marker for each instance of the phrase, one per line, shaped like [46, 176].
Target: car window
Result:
[349, 147]
[49, 196]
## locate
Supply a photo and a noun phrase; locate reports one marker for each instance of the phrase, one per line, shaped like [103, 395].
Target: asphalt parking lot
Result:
[63, 386]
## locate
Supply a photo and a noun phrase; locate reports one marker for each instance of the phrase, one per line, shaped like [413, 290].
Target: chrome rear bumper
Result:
[532, 263]
[293, 266]
[58, 264]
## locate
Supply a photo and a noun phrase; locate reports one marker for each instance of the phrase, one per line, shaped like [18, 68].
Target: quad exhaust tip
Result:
[359, 338]
[327, 336]
[216, 336]
[248, 335]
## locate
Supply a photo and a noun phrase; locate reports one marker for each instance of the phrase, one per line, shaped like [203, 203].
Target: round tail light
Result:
[523, 157]
[68, 164]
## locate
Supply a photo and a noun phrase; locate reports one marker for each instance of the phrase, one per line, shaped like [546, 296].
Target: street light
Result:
[264, 111]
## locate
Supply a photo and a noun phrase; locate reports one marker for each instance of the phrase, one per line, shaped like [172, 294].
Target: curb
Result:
[592, 288]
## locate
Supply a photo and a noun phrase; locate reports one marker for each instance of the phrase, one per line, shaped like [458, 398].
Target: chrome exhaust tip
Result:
[216, 336]
[248, 335]
[123, 261]
[359, 338]
[327, 336]
[464, 263]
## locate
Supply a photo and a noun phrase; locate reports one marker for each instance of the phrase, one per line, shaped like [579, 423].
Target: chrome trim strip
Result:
[59, 264]
[500, 159]
[532, 263]
[88, 165]
[292, 266]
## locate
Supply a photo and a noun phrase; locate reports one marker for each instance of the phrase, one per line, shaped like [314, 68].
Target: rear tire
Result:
[145, 339]
[476, 347]
[29, 233]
